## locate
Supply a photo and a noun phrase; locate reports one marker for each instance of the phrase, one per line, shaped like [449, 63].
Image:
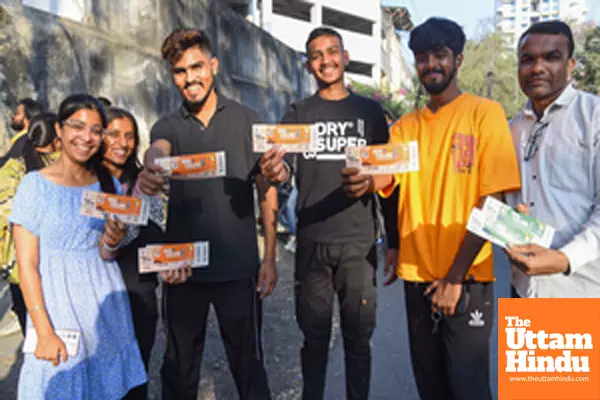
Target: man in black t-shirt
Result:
[217, 210]
[336, 235]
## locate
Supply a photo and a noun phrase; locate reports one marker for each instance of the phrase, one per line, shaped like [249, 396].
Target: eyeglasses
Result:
[79, 127]
[115, 133]
[533, 140]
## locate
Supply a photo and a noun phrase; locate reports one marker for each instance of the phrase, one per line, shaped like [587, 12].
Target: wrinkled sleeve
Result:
[161, 130]
[27, 204]
[498, 166]
[584, 247]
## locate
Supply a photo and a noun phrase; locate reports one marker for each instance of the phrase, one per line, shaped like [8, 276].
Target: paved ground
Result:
[392, 375]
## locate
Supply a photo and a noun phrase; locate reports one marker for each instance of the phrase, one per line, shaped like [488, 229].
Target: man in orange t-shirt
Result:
[466, 154]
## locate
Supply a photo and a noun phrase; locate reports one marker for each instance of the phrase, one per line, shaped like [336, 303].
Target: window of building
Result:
[360, 68]
[347, 22]
[293, 9]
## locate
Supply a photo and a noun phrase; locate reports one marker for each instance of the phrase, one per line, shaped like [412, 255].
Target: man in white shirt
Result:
[557, 139]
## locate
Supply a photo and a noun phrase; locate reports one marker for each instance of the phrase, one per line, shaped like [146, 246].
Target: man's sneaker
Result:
[291, 244]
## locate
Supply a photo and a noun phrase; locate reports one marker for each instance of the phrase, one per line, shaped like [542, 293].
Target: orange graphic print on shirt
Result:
[463, 152]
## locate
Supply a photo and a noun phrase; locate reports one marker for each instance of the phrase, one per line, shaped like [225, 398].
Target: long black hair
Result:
[132, 166]
[70, 106]
[41, 133]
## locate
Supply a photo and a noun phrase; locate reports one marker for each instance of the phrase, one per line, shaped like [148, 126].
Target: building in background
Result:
[395, 70]
[368, 30]
[513, 17]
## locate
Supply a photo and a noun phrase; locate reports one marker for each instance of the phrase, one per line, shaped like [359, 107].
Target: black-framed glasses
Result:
[533, 141]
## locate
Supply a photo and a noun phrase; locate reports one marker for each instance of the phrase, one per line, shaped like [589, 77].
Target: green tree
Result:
[489, 69]
[381, 94]
[587, 72]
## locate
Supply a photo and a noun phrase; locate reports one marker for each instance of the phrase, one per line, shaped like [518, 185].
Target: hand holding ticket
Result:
[69, 337]
[504, 226]
[129, 210]
[393, 158]
[291, 138]
[164, 257]
[194, 166]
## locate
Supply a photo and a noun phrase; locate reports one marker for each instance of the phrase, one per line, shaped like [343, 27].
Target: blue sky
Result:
[467, 13]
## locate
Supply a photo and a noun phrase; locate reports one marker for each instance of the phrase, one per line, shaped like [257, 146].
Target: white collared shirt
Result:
[561, 186]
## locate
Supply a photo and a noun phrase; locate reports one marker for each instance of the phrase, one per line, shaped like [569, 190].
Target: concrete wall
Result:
[115, 53]
[363, 48]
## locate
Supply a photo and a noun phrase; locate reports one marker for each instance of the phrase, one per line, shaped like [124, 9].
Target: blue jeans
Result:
[287, 213]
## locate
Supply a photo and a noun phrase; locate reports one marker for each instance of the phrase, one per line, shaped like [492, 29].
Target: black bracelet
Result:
[289, 175]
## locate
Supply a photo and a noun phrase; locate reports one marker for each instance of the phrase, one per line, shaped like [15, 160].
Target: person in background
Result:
[40, 149]
[466, 154]
[120, 148]
[288, 195]
[66, 272]
[557, 139]
[26, 109]
[24, 112]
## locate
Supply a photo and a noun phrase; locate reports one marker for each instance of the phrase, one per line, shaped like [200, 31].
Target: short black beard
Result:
[18, 127]
[197, 105]
[438, 88]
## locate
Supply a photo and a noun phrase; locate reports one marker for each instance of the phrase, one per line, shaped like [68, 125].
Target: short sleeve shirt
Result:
[217, 210]
[325, 213]
[466, 153]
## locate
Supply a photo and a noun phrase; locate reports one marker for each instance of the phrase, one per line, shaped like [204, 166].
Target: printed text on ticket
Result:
[194, 166]
[163, 257]
[501, 225]
[292, 138]
[130, 210]
[393, 158]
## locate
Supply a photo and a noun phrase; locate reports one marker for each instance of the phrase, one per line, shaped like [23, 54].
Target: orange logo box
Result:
[548, 349]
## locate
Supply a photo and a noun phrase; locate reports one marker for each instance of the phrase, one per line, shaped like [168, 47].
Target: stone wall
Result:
[115, 53]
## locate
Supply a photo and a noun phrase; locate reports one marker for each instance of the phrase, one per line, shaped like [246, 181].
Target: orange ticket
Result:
[130, 210]
[163, 257]
[292, 138]
[393, 158]
[194, 166]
